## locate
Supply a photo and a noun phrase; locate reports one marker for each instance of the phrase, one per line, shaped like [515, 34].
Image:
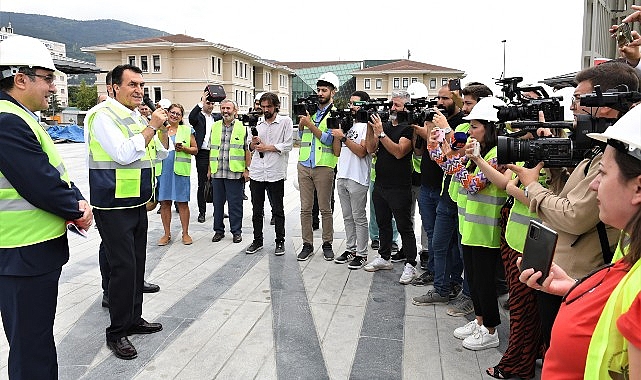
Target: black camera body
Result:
[421, 110]
[250, 119]
[215, 93]
[524, 108]
[380, 106]
[340, 119]
[303, 106]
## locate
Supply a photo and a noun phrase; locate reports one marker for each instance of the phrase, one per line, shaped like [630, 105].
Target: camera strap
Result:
[600, 226]
[329, 108]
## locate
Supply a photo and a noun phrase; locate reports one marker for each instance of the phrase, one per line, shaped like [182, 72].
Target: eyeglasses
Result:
[602, 272]
[47, 78]
[173, 113]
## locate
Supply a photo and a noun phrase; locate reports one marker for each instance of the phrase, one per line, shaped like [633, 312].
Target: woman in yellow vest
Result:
[596, 332]
[174, 173]
[480, 229]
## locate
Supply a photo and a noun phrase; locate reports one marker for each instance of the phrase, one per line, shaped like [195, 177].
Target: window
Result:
[283, 80]
[157, 94]
[236, 95]
[62, 90]
[62, 78]
[379, 83]
[145, 91]
[414, 80]
[236, 68]
[397, 83]
[132, 60]
[268, 78]
[406, 82]
[144, 65]
[245, 71]
[156, 59]
[444, 81]
[367, 84]
[219, 66]
[432, 83]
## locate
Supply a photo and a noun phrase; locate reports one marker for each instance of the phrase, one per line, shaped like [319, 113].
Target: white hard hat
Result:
[329, 77]
[486, 109]
[21, 51]
[626, 130]
[164, 103]
[259, 95]
[417, 90]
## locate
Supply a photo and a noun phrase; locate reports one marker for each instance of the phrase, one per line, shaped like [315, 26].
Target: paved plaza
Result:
[230, 315]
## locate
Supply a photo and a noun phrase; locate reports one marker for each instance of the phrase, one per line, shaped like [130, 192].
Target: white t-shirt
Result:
[351, 166]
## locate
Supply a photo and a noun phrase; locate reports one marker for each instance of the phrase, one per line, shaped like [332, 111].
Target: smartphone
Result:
[178, 145]
[454, 84]
[624, 34]
[440, 135]
[540, 244]
[477, 149]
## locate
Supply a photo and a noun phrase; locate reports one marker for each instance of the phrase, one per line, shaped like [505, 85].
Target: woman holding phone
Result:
[596, 332]
[174, 172]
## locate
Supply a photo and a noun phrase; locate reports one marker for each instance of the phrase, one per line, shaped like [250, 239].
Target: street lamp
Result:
[503, 76]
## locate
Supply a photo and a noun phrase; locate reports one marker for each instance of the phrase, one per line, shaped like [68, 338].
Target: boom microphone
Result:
[255, 133]
[152, 107]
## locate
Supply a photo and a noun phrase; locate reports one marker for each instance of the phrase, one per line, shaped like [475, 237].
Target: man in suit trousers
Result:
[201, 118]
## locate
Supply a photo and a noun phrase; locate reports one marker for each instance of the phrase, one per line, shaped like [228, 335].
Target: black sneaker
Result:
[201, 217]
[358, 262]
[455, 291]
[424, 279]
[345, 257]
[394, 247]
[306, 252]
[375, 244]
[398, 256]
[254, 247]
[280, 248]
[328, 252]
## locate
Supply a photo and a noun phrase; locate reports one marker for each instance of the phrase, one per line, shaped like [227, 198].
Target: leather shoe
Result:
[238, 238]
[144, 327]
[201, 218]
[105, 301]
[217, 237]
[123, 348]
[150, 288]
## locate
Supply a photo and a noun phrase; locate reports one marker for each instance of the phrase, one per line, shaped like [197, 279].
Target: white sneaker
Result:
[378, 264]
[467, 330]
[481, 339]
[409, 273]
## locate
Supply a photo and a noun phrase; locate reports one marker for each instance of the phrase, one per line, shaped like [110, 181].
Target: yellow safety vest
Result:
[21, 223]
[324, 155]
[116, 186]
[519, 219]
[236, 145]
[483, 213]
[608, 350]
[182, 160]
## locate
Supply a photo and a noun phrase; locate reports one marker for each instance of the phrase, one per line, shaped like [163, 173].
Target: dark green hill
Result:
[76, 34]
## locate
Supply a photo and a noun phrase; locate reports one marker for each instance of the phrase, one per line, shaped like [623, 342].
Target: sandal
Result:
[498, 373]
[164, 240]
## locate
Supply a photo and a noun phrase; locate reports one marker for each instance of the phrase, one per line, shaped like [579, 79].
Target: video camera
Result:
[525, 108]
[306, 105]
[558, 151]
[250, 119]
[380, 106]
[421, 110]
[340, 119]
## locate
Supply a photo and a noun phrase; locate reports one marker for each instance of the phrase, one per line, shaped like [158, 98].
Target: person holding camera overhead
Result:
[229, 169]
[596, 332]
[353, 184]
[174, 174]
[572, 211]
[316, 163]
[270, 143]
[392, 142]
[201, 118]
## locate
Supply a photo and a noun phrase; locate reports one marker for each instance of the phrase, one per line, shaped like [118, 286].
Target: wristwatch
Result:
[343, 139]
[382, 135]
[447, 130]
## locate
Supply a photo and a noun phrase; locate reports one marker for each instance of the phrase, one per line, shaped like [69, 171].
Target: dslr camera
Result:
[306, 105]
[379, 106]
[565, 152]
[340, 119]
[250, 119]
[420, 110]
[523, 108]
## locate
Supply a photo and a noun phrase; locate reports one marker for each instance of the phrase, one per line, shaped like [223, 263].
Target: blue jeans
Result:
[373, 226]
[447, 257]
[230, 191]
[428, 199]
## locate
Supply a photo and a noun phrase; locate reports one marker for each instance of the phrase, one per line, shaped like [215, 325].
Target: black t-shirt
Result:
[431, 172]
[390, 171]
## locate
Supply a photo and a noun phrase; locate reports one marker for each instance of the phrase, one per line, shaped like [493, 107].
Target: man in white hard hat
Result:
[36, 198]
[122, 148]
[316, 163]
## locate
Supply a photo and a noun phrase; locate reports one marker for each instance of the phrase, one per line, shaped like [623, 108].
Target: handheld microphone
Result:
[152, 107]
[255, 133]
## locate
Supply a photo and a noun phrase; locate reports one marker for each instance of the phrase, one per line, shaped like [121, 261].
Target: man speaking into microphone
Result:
[268, 170]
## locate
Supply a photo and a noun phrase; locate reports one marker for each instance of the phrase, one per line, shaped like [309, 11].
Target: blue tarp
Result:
[67, 133]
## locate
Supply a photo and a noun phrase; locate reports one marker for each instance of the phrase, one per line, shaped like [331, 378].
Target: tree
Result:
[84, 97]
[54, 106]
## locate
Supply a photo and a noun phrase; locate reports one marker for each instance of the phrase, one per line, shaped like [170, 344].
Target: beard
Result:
[228, 118]
[268, 115]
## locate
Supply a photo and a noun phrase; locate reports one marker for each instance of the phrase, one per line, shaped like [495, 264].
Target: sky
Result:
[543, 37]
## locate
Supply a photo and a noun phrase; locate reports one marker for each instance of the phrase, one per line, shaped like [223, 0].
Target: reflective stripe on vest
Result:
[21, 223]
[608, 350]
[517, 225]
[236, 151]
[482, 214]
[129, 190]
[324, 155]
